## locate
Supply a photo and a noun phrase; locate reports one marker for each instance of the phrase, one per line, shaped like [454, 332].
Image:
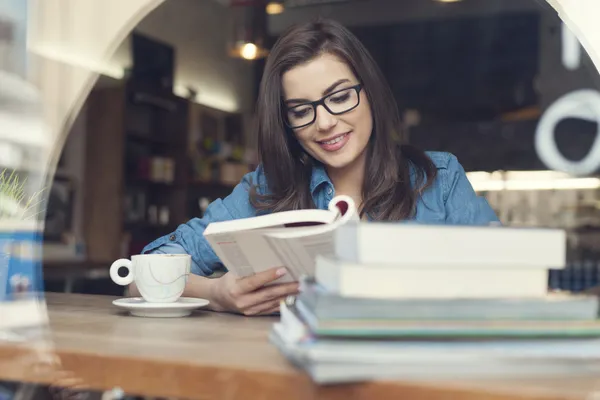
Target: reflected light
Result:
[448, 1]
[529, 180]
[213, 99]
[51, 53]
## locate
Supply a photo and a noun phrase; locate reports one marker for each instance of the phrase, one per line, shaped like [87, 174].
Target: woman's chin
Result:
[339, 161]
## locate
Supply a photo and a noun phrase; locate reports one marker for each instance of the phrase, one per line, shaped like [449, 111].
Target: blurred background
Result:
[166, 127]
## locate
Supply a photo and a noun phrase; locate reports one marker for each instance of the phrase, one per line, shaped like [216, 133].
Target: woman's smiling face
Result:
[336, 139]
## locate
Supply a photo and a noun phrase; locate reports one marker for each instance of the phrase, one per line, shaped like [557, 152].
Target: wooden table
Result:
[214, 356]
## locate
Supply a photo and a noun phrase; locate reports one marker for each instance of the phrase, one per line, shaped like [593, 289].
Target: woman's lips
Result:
[335, 143]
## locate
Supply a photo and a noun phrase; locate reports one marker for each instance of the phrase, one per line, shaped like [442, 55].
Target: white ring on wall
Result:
[582, 104]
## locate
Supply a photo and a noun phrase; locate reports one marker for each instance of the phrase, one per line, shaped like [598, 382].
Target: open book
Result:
[290, 239]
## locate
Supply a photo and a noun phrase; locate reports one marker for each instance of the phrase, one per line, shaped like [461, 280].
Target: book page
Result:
[295, 246]
[245, 253]
[298, 248]
[342, 207]
[269, 221]
[298, 254]
[230, 253]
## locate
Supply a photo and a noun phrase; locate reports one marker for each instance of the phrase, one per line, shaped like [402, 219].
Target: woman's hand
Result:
[248, 295]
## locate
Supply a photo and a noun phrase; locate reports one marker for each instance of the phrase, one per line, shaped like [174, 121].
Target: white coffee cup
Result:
[160, 278]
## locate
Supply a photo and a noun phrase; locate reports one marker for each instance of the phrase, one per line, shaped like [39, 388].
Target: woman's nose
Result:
[325, 120]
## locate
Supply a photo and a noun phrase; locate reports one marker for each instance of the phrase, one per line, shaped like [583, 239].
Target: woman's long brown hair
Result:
[388, 193]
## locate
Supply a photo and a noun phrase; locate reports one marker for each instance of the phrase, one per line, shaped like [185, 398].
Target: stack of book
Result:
[434, 302]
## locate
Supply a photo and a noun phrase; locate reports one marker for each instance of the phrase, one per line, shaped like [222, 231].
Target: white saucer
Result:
[141, 308]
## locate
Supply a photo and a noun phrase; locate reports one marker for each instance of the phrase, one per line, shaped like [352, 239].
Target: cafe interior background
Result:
[166, 128]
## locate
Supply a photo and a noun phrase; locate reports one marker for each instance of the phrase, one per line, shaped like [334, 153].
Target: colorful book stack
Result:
[428, 302]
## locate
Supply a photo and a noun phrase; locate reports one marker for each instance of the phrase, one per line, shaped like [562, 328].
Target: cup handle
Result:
[114, 272]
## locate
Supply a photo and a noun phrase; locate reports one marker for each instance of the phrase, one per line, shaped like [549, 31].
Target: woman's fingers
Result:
[251, 283]
[273, 311]
[266, 294]
[252, 295]
[267, 300]
[268, 307]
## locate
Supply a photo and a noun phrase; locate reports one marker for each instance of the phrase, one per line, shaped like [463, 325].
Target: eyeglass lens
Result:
[336, 103]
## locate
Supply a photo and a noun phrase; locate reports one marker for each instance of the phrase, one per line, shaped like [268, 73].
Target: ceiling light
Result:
[275, 7]
[248, 51]
[249, 30]
[448, 1]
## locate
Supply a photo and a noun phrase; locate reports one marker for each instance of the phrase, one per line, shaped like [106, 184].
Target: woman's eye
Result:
[341, 98]
[299, 113]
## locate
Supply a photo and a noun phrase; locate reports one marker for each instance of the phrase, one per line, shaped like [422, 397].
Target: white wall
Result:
[199, 30]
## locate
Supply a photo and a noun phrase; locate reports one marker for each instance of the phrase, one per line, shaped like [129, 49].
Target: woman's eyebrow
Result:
[329, 89]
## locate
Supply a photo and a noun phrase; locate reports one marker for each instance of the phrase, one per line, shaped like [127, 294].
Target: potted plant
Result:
[20, 238]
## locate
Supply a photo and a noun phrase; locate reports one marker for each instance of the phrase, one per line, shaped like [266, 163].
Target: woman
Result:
[326, 122]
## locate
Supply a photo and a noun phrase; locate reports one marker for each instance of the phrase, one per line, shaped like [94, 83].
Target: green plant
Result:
[13, 202]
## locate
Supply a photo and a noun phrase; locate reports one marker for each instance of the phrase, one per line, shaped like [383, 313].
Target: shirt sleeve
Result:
[188, 238]
[168, 248]
[463, 205]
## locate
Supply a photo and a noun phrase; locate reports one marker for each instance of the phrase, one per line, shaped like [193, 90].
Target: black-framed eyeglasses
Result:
[336, 103]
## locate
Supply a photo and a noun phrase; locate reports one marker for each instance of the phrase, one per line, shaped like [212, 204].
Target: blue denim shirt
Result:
[450, 200]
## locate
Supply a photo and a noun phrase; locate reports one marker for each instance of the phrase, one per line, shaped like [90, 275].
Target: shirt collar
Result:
[319, 176]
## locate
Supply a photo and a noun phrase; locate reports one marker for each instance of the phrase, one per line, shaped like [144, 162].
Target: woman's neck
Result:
[349, 179]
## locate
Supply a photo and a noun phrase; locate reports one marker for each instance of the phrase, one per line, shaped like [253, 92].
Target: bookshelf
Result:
[153, 161]
[218, 153]
[136, 172]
